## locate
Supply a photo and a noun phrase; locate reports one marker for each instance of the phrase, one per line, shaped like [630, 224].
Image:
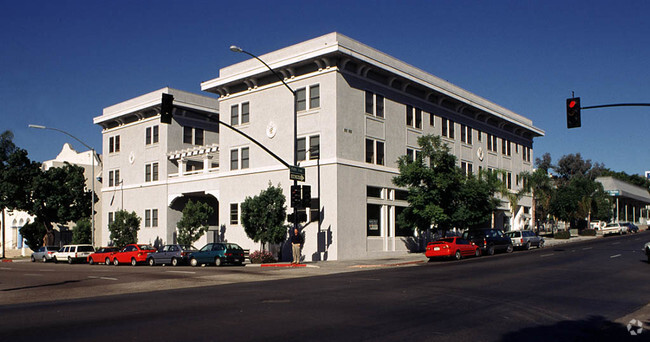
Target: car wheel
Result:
[217, 261]
[174, 262]
[509, 249]
[33, 259]
[133, 262]
[70, 260]
[458, 256]
[477, 252]
[194, 262]
[91, 261]
[54, 259]
[490, 250]
[116, 262]
[152, 262]
[527, 246]
[107, 261]
[44, 259]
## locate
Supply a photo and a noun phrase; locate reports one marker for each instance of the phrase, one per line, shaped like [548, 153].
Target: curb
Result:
[389, 265]
[7, 260]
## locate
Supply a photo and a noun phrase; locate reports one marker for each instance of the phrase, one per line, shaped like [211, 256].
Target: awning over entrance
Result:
[619, 188]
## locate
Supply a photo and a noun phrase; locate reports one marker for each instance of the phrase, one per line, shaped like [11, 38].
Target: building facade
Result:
[358, 111]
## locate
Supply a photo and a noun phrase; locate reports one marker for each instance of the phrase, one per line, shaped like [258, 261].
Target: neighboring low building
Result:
[358, 111]
[632, 203]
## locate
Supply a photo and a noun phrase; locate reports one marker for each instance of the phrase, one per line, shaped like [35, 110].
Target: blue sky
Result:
[62, 62]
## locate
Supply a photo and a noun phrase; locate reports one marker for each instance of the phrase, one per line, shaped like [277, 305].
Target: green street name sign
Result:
[297, 173]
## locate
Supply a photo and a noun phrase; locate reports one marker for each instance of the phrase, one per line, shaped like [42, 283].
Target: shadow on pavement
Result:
[592, 329]
[41, 285]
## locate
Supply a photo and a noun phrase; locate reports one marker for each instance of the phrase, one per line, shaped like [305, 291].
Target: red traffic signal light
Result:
[573, 112]
[296, 196]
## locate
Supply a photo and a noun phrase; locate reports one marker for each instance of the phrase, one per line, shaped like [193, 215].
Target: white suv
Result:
[72, 253]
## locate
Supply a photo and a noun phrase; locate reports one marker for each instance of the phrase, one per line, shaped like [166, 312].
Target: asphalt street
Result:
[586, 291]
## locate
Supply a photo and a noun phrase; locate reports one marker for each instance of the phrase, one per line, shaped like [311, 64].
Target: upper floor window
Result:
[448, 128]
[151, 135]
[432, 120]
[193, 135]
[234, 213]
[413, 117]
[302, 102]
[239, 158]
[374, 104]
[151, 172]
[114, 177]
[114, 144]
[505, 147]
[467, 168]
[466, 134]
[314, 148]
[492, 143]
[374, 152]
[239, 114]
[526, 154]
[413, 154]
[151, 218]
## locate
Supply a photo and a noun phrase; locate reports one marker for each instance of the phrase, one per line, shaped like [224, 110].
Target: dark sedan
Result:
[489, 240]
[218, 253]
[171, 255]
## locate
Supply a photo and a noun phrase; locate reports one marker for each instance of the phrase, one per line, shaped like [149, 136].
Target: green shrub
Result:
[564, 234]
[261, 257]
[587, 232]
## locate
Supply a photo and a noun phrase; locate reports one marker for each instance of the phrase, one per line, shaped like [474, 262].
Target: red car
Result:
[102, 255]
[133, 254]
[455, 247]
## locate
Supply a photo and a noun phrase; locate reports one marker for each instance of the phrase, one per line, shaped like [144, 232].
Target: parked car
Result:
[631, 227]
[455, 247]
[102, 255]
[171, 255]
[218, 253]
[489, 240]
[73, 253]
[646, 248]
[134, 254]
[614, 228]
[525, 239]
[44, 253]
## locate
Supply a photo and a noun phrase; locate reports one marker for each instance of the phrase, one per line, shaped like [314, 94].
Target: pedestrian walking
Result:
[296, 244]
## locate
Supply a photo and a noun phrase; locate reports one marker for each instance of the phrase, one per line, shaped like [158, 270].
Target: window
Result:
[245, 112]
[478, 135]
[187, 135]
[413, 154]
[505, 147]
[314, 210]
[374, 104]
[314, 148]
[432, 120]
[374, 152]
[114, 177]
[373, 191]
[509, 177]
[239, 113]
[198, 136]
[151, 172]
[314, 98]
[448, 128]
[151, 135]
[467, 168]
[151, 218]
[114, 144]
[526, 154]
[111, 218]
[234, 159]
[466, 134]
[234, 213]
[234, 115]
[413, 117]
[491, 143]
[239, 154]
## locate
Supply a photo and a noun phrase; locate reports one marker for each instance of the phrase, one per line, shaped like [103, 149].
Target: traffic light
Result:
[166, 108]
[573, 112]
[306, 196]
[295, 196]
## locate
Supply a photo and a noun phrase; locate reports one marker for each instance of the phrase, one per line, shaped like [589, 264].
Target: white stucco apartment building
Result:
[358, 110]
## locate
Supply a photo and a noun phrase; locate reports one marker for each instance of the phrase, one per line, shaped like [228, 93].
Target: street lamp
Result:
[92, 178]
[235, 48]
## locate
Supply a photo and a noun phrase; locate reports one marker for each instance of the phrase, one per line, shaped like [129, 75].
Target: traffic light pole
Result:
[618, 105]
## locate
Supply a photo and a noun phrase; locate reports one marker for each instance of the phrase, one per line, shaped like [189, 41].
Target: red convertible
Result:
[455, 247]
[134, 254]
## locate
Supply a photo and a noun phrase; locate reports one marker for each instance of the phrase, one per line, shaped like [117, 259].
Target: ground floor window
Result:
[374, 219]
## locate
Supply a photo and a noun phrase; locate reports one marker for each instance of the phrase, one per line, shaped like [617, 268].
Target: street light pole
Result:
[235, 48]
[92, 176]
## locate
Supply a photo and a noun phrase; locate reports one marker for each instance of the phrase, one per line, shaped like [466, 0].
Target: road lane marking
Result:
[616, 243]
[104, 278]
[184, 272]
[615, 256]
[6, 268]
[47, 270]
[33, 274]
[546, 255]
[586, 248]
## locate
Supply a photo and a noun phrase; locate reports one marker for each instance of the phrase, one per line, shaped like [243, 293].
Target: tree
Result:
[263, 216]
[81, 233]
[16, 174]
[194, 222]
[540, 184]
[33, 233]
[438, 192]
[124, 229]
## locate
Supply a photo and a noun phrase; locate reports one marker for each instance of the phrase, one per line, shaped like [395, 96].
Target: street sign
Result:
[297, 173]
[614, 192]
